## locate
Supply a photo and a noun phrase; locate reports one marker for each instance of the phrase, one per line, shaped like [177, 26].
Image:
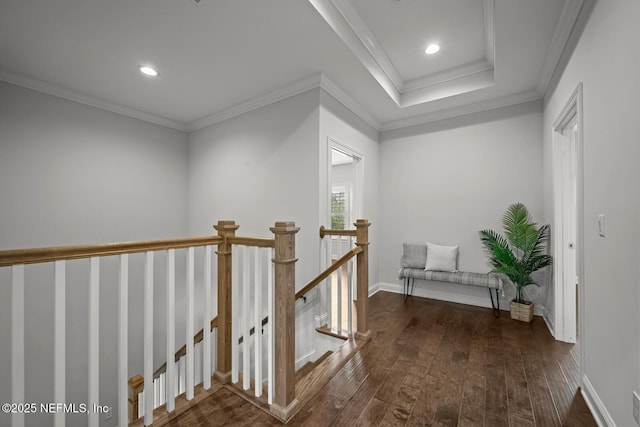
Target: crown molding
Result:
[354, 41]
[463, 86]
[318, 80]
[463, 110]
[258, 102]
[351, 28]
[92, 101]
[341, 96]
[464, 70]
[568, 18]
[369, 41]
[444, 76]
[489, 32]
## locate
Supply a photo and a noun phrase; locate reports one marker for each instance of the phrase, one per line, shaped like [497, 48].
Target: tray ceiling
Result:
[220, 59]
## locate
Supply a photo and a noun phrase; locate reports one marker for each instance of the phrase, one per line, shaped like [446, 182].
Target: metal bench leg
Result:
[408, 287]
[496, 311]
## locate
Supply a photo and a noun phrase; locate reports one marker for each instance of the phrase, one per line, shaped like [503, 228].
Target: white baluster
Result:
[156, 392]
[235, 287]
[171, 331]
[59, 343]
[329, 286]
[339, 300]
[141, 404]
[17, 341]
[214, 353]
[94, 342]
[257, 342]
[197, 363]
[162, 379]
[270, 328]
[148, 338]
[123, 345]
[206, 321]
[181, 372]
[350, 298]
[190, 322]
[246, 322]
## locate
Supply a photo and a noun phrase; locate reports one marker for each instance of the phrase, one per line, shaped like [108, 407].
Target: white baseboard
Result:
[321, 319]
[549, 326]
[306, 358]
[425, 292]
[597, 408]
[374, 289]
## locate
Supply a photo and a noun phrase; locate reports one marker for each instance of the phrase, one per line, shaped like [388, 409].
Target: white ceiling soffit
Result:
[344, 19]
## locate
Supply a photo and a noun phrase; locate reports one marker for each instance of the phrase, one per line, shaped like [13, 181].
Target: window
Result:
[338, 209]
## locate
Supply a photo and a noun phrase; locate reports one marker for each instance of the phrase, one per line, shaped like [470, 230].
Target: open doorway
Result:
[567, 234]
[345, 179]
[344, 206]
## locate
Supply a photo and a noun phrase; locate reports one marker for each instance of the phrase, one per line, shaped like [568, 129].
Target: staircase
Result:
[239, 331]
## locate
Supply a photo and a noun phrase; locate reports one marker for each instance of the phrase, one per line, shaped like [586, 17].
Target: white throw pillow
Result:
[441, 258]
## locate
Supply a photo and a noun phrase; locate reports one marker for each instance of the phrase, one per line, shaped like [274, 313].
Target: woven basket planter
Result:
[521, 312]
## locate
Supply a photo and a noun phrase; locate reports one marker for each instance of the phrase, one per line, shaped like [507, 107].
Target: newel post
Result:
[362, 240]
[225, 229]
[284, 401]
[136, 385]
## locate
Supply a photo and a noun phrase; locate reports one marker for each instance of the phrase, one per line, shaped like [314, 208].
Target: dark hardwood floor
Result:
[431, 363]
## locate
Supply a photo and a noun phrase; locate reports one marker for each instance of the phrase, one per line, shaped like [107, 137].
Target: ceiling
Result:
[217, 58]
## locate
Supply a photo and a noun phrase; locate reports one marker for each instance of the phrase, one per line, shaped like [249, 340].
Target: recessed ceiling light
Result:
[431, 49]
[148, 71]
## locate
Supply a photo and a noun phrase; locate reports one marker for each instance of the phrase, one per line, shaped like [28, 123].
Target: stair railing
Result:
[230, 331]
[335, 312]
[19, 260]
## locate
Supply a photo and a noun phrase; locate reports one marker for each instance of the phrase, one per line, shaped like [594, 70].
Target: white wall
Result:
[259, 168]
[341, 125]
[73, 174]
[606, 60]
[443, 182]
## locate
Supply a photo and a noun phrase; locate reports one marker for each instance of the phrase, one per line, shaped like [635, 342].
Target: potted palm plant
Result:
[517, 254]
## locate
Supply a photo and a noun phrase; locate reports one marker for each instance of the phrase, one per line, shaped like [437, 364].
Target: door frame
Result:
[563, 330]
[358, 178]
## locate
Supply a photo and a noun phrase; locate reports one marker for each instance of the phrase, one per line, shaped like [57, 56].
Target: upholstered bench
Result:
[414, 261]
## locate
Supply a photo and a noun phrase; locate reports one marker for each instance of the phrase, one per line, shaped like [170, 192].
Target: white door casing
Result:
[567, 232]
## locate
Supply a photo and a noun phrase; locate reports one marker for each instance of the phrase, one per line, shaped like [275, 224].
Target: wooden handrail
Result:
[328, 232]
[253, 330]
[198, 338]
[39, 255]
[333, 267]
[235, 240]
[260, 242]
[183, 350]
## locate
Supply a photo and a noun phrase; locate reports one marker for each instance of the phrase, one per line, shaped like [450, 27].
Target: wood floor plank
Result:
[544, 408]
[496, 406]
[428, 363]
[373, 413]
[520, 408]
[358, 403]
[473, 397]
